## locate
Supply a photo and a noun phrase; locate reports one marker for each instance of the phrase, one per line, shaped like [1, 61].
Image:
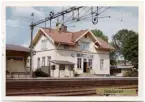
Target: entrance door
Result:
[85, 64]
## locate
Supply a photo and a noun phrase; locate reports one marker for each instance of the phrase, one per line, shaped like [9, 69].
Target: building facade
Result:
[64, 54]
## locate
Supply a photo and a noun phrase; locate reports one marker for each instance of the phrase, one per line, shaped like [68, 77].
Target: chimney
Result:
[61, 28]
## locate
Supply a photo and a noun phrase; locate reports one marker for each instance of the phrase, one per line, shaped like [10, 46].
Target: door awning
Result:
[62, 62]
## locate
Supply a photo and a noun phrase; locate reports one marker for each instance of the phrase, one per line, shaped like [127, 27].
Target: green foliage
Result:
[131, 50]
[113, 56]
[125, 43]
[99, 33]
[133, 73]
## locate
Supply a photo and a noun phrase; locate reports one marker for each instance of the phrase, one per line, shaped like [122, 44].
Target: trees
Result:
[126, 45]
[100, 34]
[113, 56]
[130, 50]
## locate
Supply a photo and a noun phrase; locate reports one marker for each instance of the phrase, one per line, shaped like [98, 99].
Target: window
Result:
[48, 60]
[38, 63]
[84, 46]
[44, 44]
[80, 55]
[43, 61]
[90, 63]
[61, 67]
[79, 62]
[101, 63]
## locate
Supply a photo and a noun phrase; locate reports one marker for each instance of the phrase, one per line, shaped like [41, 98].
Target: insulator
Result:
[95, 20]
[51, 14]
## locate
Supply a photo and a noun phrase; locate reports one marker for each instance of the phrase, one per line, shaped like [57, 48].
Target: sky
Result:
[18, 20]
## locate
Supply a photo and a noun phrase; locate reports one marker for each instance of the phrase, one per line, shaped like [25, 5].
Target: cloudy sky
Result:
[18, 20]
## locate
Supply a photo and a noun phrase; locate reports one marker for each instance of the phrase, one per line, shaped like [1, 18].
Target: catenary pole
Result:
[31, 46]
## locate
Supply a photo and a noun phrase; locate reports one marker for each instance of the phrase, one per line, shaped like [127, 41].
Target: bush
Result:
[39, 73]
[133, 73]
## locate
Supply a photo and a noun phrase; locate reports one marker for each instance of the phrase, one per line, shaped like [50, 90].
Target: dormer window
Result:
[44, 44]
[84, 45]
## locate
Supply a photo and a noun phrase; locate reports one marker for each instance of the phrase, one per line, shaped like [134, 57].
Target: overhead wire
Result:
[74, 15]
[87, 12]
[91, 16]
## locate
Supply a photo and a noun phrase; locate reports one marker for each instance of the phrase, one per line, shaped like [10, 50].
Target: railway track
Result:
[64, 87]
[71, 91]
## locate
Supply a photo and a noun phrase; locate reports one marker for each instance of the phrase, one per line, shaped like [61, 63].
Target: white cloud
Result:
[13, 23]
[26, 44]
[27, 11]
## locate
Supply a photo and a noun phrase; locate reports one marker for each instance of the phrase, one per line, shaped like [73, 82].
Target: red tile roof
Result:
[104, 44]
[70, 37]
[63, 37]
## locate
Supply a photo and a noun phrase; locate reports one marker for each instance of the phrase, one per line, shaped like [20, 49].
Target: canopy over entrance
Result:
[62, 62]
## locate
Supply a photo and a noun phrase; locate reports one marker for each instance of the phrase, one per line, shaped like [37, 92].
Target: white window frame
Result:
[44, 44]
[38, 62]
[84, 45]
[48, 60]
[90, 63]
[101, 64]
[43, 61]
[79, 63]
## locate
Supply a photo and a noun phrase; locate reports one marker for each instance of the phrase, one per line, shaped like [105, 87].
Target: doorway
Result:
[85, 64]
[85, 67]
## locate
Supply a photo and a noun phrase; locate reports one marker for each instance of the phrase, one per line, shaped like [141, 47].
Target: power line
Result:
[105, 10]
[88, 19]
[88, 11]
[92, 16]
[53, 16]
[73, 15]
[84, 15]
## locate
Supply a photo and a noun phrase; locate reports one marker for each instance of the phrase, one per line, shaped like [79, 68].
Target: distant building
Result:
[16, 57]
[120, 70]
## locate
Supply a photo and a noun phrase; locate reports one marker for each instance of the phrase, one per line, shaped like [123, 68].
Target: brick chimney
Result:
[63, 28]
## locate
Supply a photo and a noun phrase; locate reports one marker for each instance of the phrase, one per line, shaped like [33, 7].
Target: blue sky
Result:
[18, 20]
